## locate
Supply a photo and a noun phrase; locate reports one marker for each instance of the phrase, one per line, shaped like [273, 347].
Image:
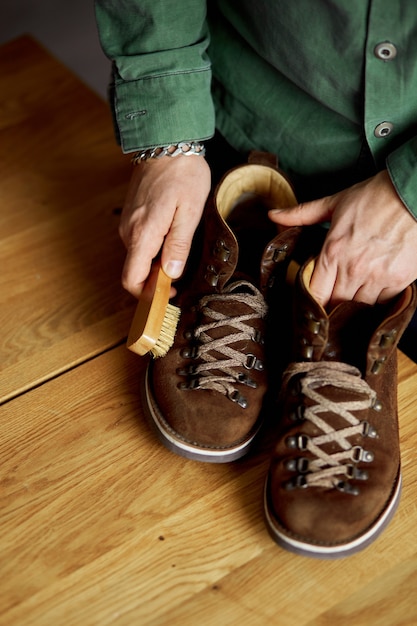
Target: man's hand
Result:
[370, 252]
[163, 206]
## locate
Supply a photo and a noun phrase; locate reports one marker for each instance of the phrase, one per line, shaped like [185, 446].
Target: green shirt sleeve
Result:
[161, 74]
[402, 168]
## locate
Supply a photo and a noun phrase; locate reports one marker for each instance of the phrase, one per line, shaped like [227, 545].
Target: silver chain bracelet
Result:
[186, 148]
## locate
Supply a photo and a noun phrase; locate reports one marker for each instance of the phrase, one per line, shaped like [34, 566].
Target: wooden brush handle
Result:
[149, 315]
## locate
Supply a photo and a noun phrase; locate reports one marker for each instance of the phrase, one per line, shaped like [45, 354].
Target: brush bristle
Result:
[168, 330]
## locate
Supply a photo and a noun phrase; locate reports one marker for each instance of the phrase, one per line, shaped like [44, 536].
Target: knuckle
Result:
[397, 277]
[127, 283]
[332, 251]
[134, 233]
[179, 246]
[132, 283]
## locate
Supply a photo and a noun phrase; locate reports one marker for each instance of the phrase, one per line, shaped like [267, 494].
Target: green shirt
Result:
[330, 86]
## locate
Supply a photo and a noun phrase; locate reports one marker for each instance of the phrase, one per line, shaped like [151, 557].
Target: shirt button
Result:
[383, 129]
[385, 51]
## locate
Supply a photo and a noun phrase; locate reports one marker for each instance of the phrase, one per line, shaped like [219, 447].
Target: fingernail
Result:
[174, 268]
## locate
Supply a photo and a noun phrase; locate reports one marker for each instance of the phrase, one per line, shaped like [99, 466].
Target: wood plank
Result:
[100, 524]
[63, 182]
[373, 605]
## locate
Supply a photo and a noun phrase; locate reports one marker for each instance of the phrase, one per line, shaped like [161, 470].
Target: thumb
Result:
[177, 246]
[304, 214]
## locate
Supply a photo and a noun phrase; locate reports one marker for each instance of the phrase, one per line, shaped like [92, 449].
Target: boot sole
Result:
[176, 444]
[336, 551]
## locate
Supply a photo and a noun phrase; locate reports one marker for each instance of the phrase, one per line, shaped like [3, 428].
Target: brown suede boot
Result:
[334, 481]
[205, 396]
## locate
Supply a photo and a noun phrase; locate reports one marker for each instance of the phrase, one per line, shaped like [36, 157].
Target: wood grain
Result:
[100, 524]
[63, 182]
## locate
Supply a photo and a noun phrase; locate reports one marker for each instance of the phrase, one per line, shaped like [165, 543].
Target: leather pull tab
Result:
[256, 157]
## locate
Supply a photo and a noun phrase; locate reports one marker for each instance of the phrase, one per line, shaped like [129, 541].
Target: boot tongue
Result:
[351, 325]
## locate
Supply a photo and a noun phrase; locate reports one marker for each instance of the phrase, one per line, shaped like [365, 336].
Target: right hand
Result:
[164, 203]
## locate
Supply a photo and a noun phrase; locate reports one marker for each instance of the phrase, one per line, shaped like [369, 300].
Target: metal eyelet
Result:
[377, 405]
[354, 472]
[185, 371]
[211, 276]
[388, 339]
[313, 326]
[257, 337]
[298, 482]
[296, 389]
[221, 251]
[279, 254]
[246, 380]
[298, 414]
[252, 362]
[346, 487]
[193, 383]
[360, 454]
[307, 351]
[237, 397]
[300, 465]
[299, 442]
[378, 365]
[369, 430]
[191, 352]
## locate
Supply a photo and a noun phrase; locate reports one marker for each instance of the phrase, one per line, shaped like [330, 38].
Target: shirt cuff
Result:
[402, 168]
[163, 110]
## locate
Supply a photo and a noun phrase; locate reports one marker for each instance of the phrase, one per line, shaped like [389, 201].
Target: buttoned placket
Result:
[384, 87]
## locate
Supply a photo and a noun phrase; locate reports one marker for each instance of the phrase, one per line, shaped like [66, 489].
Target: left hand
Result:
[370, 251]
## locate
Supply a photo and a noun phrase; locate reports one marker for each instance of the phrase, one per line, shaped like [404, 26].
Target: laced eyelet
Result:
[377, 405]
[190, 352]
[296, 386]
[346, 487]
[297, 442]
[369, 430]
[300, 465]
[359, 454]
[246, 380]
[192, 383]
[298, 414]
[237, 397]
[354, 472]
[252, 362]
[297, 482]
[257, 337]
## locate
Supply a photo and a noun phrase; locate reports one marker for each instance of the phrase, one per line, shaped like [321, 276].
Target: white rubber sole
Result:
[175, 444]
[331, 552]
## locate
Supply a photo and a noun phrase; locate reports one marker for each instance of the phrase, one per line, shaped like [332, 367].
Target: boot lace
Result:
[221, 365]
[330, 469]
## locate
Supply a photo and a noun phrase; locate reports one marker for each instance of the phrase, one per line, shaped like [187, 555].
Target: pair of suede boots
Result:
[253, 342]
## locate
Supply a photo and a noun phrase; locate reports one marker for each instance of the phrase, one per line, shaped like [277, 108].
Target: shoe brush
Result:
[155, 321]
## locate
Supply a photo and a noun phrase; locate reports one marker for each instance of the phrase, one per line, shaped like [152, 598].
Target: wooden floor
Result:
[99, 524]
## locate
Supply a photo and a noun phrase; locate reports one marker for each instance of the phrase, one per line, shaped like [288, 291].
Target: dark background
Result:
[66, 28]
